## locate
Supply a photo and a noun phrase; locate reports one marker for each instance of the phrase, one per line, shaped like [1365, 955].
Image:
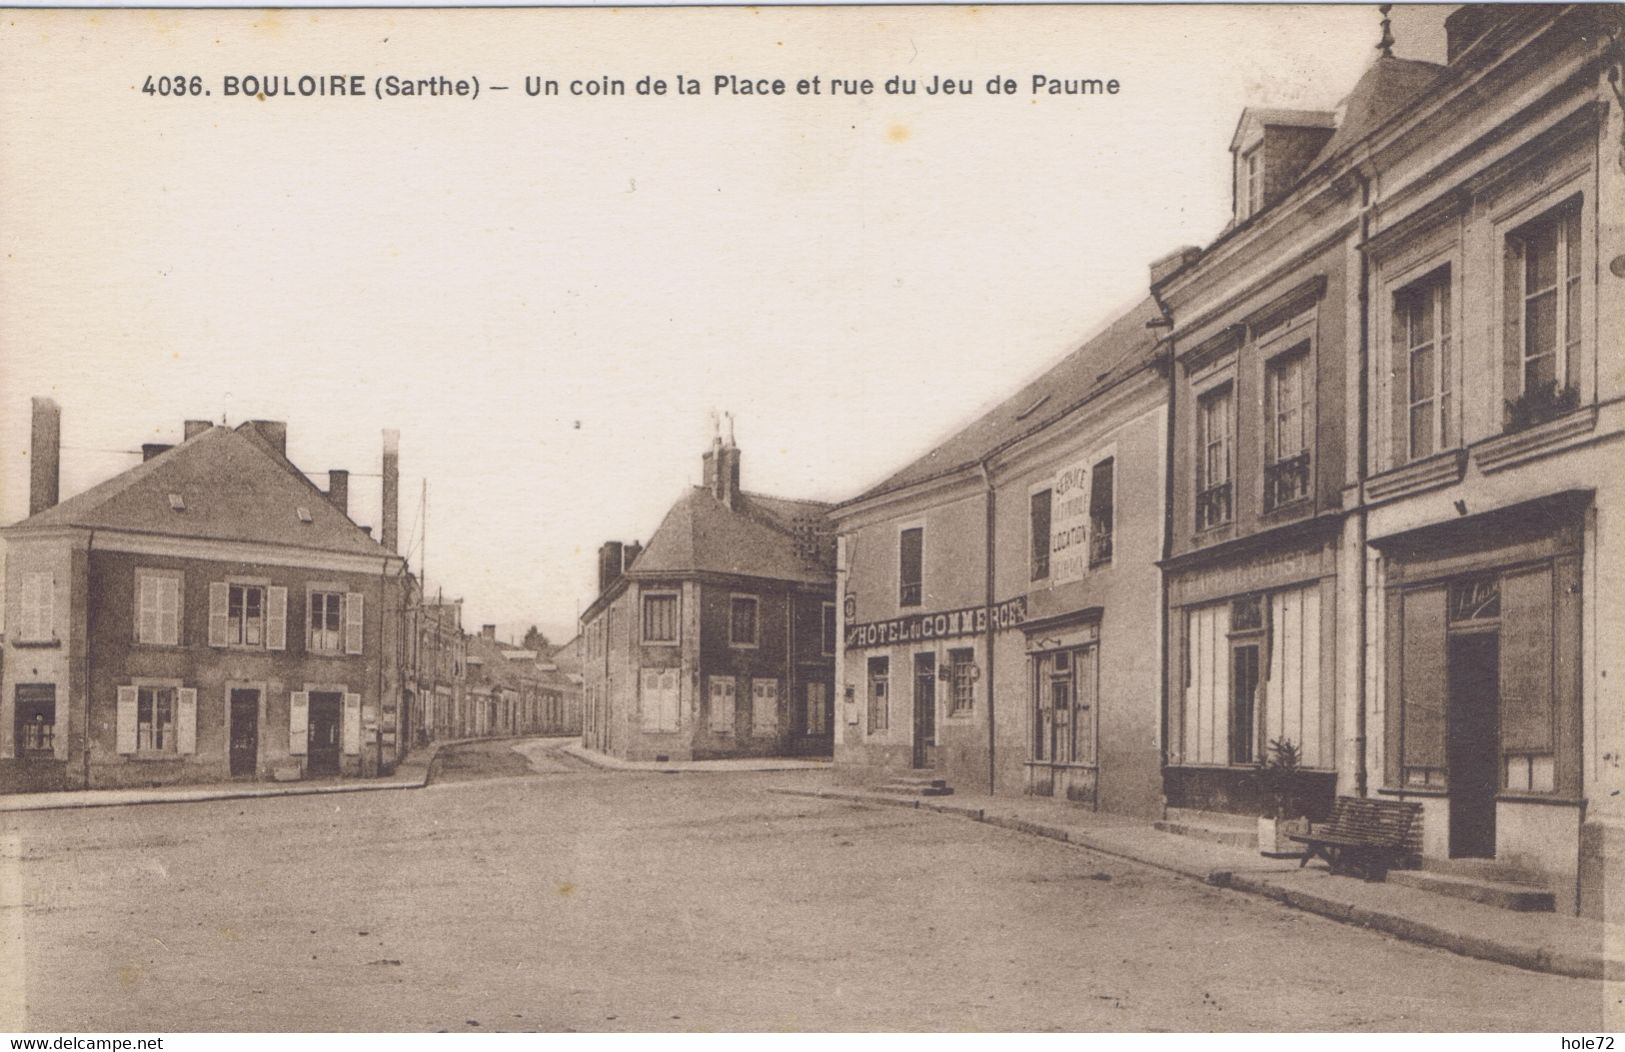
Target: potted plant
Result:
[1278, 783]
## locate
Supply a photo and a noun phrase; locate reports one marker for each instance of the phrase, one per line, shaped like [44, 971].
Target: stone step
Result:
[1524, 898]
[916, 787]
[1190, 816]
[917, 779]
[1230, 835]
[1485, 869]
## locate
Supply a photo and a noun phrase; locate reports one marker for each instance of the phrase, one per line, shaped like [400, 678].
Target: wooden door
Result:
[925, 710]
[322, 753]
[245, 731]
[1473, 744]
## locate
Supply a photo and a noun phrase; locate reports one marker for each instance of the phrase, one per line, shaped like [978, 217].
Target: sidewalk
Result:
[1542, 942]
[765, 763]
[411, 773]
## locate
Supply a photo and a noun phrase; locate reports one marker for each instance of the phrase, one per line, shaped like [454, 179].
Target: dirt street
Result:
[510, 898]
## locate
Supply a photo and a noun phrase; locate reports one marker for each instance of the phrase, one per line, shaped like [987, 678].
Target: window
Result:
[1102, 509]
[155, 719]
[1040, 533]
[1213, 497]
[1542, 304]
[326, 621]
[245, 616]
[879, 707]
[660, 618]
[1286, 472]
[962, 681]
[35, 719]
[158, 609]
[1063, 693]
[827, 627]
[742, 618]
[1423, 369]
[38, 608]
[910, 566]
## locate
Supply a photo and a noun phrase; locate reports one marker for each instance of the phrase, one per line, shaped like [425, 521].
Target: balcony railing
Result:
[1286, 481]
[1213, 506]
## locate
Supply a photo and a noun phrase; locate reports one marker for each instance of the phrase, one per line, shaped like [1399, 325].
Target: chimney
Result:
[152, 449]
[629, 555]
[338, 489]
[488, 633]
[45, 456]
[609, 565]
[390, 538]
[275, 433]
[722, 465]
[196, 427]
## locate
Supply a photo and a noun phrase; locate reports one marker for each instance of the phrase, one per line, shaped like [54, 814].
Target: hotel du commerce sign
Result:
[943, 625]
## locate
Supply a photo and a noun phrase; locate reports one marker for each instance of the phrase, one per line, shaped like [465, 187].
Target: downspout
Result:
[989, 550]
[90, 598]
[1167, 525]
[1361, 467]
[378, 731]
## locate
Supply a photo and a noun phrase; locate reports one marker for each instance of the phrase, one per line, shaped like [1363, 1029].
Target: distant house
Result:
[718, 639]
[206, 614]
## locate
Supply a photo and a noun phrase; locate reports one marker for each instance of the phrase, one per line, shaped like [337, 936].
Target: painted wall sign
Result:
[947, 624]
[1069, 524]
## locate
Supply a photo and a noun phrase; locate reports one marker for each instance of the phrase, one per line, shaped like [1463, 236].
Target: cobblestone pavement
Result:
[546, 896]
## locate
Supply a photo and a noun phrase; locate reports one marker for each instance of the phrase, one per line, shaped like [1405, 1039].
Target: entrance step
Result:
[1227, 834]
[1524, 898]
[912, 785]
[1485, 869]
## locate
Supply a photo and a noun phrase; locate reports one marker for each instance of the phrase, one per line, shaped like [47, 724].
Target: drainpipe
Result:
[90, 599]
[992, 767]
[1361, 427]
[378, 731]
[1167, 525]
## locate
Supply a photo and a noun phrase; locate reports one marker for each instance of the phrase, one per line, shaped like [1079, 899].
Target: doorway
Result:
[1472, 742]
[925, 710]
[1243, 703]
[245, 731]
[322, 752]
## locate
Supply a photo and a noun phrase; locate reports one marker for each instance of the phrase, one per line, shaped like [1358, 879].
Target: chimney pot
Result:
[275, 433]
[45, 457]
[193, 428]
[338, 489]
[489, 632]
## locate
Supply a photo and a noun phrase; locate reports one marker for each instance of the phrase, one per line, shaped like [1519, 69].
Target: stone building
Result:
[718, 639]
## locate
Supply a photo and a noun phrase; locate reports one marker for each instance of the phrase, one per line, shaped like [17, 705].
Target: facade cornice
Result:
[213, 550]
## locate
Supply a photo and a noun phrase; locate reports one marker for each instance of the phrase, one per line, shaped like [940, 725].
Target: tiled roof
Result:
[233, 486]
[1125, 346]
[1387, 87]
[758, 537]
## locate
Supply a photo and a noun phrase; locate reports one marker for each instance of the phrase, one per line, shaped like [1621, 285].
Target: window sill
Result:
[36, 644]
[744, 646]
[1292, 508]
[1510, 450]
[1057, 765]
[1418, 476]
[660, 643]
[153, 757]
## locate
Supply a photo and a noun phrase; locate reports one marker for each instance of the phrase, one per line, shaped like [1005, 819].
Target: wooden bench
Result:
[1363, 835]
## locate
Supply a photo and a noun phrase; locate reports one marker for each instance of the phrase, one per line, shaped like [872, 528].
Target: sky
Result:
[549, 296]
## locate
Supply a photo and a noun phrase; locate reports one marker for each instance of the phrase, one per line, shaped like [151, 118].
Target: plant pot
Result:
[1274, 837]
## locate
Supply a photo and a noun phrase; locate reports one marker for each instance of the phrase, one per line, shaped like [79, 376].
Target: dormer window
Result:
[1252, 182]
[176, 503]
[303, 513]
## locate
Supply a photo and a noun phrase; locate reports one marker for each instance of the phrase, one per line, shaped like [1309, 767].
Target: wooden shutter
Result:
[352, 724]
[1422, 679]
[722, 704]
[1511, 321]
[146, 609]
[1399, 386]
[353, 622]
[764, 708]
[670, 701]
[298, 722]
[649, 696]
[186, 720]
[276, 618]
[126, 720]
[219, 599]
[169, 610]
[1526, 661]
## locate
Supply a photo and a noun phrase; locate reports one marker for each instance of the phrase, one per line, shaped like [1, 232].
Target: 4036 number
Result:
[176, 85]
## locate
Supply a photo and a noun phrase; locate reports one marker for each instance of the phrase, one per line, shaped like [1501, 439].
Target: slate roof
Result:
[235, 487]
[758, 537]
[1383, 90]
[1122, 348]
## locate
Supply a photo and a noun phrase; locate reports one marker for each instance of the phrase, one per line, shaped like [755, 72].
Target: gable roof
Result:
[1122, 348]
[758, 537]
[1271, 117]
[235, 487]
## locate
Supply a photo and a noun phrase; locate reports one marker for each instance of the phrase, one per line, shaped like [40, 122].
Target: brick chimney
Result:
[193, 428]
[152, 449]
[390, 531]
[610, 563]
[488, 633]
[721, 464]
[275, 433]
[629, 555]
[45, 457]
[338, 489]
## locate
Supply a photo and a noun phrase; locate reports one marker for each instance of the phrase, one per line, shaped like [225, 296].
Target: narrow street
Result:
[546, 895]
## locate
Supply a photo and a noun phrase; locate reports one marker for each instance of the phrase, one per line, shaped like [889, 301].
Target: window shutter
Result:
[298, 722]
[186, 721]
[670, 701]
[722, 705]
[169, 610]
[219, 598]
[276, 618]
[1526, 661]
[353, 621]
[1399, 388]
[764, 708]
[146, 613]
[352, 724]
[126, 720]
[1512, 321]
[1422, 679]
[650, 698]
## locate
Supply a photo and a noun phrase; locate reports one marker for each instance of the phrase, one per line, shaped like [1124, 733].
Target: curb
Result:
[610, 763]
[1527, 957]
